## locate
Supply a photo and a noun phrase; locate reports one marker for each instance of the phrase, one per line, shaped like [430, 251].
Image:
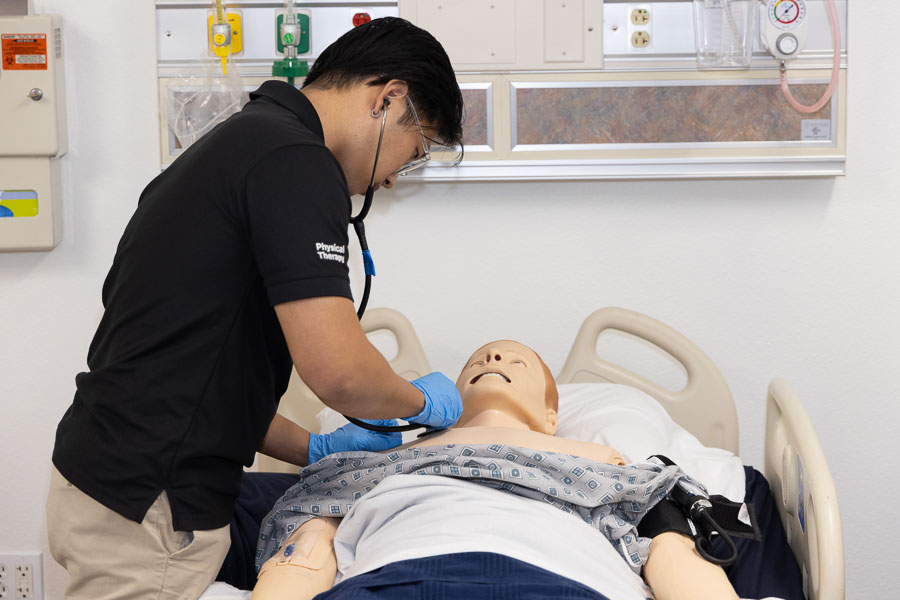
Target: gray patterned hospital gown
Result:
[611, 498]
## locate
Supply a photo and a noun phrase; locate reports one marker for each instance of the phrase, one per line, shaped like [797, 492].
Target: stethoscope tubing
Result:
[360, 229]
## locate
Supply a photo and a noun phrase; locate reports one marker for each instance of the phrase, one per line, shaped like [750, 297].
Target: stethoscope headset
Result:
[360, 229]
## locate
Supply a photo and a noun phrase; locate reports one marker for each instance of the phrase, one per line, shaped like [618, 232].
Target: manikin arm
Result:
[676, 571]
[305, 566]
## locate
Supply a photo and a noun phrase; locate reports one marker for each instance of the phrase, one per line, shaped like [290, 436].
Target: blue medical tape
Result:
[367, 261]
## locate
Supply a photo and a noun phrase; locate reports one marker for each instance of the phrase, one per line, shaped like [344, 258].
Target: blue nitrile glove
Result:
[352, 437]
[442, 402]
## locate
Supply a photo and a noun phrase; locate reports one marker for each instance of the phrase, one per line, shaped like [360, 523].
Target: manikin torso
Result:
[492, 428]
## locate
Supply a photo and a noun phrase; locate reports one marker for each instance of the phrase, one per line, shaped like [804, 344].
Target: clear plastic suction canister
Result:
[724, 32]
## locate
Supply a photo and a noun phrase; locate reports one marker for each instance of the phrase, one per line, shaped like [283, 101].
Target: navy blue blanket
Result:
[469, 575]
[766, 568]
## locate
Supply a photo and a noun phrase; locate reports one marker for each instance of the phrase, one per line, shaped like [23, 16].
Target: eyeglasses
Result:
[426, 156]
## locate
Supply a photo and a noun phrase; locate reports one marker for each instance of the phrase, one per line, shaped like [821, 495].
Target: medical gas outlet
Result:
[32, 109]
[225, 31]
[292, 33]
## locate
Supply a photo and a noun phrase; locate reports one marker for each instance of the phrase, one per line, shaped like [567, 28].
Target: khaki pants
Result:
[110, 557]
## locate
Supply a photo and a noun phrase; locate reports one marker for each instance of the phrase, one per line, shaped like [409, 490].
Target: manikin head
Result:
[509, 377]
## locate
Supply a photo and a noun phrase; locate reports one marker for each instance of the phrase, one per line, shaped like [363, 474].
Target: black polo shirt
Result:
[189, 362]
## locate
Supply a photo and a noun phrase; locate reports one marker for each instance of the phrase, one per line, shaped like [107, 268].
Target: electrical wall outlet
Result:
[21, 576]
[639, 28]
[640, 39]
[24, 592]
[640, 16]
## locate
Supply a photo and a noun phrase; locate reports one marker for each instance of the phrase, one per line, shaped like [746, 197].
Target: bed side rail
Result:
[705, 406]
[804, 492]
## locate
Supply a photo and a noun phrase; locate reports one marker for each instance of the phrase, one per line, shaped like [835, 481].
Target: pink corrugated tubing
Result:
[835, 69]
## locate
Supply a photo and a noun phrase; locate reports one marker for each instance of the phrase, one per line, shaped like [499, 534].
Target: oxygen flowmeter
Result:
[292, 30]
[785, 28]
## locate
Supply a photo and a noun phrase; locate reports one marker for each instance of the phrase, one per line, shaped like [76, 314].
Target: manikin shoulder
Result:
[523, 438]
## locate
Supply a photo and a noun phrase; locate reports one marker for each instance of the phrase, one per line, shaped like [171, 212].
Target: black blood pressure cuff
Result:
[726, 515]
[665, 516]
[668, 516]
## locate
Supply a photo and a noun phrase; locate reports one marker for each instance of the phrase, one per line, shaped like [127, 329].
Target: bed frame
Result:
[795, 466]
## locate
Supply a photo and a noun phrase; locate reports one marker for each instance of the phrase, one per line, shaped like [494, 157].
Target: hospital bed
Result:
[795, 466]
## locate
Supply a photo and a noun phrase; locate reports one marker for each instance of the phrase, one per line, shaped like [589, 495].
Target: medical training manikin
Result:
[510, 398]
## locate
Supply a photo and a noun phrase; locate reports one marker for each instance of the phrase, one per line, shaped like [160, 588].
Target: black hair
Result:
[393, 48]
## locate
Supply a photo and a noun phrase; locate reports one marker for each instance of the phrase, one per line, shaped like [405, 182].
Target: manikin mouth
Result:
[491, 374]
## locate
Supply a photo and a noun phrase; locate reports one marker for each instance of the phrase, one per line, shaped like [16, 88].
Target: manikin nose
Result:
[493, 355]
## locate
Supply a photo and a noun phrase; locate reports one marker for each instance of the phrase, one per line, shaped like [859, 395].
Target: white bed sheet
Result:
[224, 591]
[416, 516]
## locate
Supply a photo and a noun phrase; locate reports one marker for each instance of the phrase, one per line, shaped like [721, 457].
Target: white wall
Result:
[775, 277]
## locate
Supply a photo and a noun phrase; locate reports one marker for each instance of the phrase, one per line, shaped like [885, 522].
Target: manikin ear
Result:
[550, 420]
[393, 92]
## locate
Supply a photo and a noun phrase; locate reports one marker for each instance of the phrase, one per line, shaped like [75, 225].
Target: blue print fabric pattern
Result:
[611, 498]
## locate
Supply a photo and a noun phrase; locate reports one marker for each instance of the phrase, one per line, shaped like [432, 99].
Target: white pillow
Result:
[633, 423]
[636, 424]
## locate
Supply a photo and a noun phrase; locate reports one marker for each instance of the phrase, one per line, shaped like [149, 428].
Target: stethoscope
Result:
[369, 266]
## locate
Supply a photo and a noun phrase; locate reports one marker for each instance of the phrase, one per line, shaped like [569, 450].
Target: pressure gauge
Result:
[787, 14]
[785, 30]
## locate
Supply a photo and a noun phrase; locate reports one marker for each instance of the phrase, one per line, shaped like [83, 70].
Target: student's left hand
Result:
[351, 437]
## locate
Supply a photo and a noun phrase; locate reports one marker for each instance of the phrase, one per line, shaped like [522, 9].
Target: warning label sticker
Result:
[23, 51]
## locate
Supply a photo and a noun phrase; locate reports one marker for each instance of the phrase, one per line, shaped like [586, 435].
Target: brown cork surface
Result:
[662, 114]
[475, 123]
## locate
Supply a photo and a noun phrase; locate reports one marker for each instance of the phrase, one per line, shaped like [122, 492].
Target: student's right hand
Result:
[443, 406]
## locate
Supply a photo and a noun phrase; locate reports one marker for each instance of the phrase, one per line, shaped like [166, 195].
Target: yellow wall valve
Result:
[225, 37]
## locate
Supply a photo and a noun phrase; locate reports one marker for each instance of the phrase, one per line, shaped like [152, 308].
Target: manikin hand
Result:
[352, 437]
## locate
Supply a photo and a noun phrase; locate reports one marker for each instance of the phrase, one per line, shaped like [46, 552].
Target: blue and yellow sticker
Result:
[18, 203]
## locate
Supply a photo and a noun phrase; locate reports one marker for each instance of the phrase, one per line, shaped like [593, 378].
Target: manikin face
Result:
[508, 377]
